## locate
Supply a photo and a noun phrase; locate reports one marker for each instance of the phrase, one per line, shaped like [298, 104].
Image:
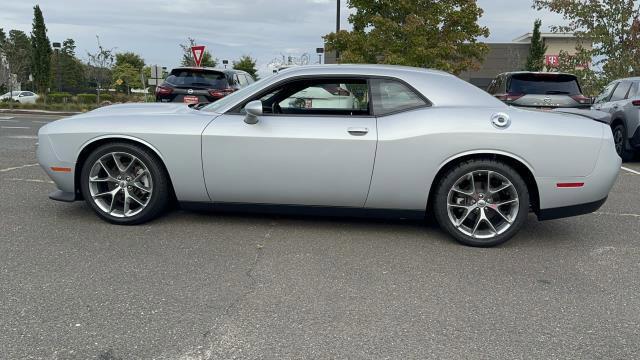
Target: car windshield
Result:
[544, 84]
[234, 97]
[197, 78]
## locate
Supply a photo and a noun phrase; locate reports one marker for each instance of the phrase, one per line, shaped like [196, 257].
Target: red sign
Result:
[197, 52]
[552, 60]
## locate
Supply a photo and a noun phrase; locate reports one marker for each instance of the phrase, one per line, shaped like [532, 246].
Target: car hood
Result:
[140, 109]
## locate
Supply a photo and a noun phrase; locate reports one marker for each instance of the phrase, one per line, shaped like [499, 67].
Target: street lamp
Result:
[337, 25]
[225, 62]
[56, 47]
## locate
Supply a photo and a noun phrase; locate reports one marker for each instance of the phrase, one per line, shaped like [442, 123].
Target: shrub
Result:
[59, 98]
[87, 98]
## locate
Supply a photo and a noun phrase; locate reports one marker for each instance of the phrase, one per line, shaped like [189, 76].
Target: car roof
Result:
[206, 68]
[359, 69]
[535, 73]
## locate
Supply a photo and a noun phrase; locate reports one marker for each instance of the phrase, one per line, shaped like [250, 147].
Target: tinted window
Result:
[28, 93]
[243, 80]
[544, 84]
[635, 90]
[621, 91]
[391, 96]
[606, 93]
[197, 78]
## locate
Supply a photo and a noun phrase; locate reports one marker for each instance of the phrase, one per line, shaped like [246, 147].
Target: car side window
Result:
[348, 97]
[329, 97]
[391, 96]
[621, 91]
[605, 95]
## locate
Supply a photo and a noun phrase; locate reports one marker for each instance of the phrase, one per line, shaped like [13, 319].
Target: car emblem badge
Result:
[190, 91]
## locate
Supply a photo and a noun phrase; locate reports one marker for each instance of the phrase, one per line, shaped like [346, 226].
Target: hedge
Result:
[59, 98]
[87, 98]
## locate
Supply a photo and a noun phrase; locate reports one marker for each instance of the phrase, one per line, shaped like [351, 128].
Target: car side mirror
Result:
[253, 110]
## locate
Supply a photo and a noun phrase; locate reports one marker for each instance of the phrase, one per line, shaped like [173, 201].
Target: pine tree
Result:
[535, 60]
[41, 61]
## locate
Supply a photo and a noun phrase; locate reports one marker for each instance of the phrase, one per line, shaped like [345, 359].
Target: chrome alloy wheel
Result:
[120, 184]
[618, 139]
[482, 204]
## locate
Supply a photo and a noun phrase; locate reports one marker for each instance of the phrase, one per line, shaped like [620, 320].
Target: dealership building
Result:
[512, 56]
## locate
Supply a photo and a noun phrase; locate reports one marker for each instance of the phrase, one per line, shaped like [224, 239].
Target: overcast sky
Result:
[229, 28]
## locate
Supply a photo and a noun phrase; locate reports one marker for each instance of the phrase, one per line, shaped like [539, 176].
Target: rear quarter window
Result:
[391, 96]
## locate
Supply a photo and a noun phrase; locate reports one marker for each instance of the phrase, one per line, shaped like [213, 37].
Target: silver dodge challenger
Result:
[341, 140]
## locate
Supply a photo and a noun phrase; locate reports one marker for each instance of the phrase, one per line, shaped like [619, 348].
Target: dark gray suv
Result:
[542, 90]
[621, 99]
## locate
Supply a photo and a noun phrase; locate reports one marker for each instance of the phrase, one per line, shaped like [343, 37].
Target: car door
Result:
[314, 145]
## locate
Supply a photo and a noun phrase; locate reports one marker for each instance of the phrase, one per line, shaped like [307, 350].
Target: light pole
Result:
[56, 47]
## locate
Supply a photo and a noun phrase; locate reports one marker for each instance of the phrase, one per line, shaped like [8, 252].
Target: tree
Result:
[535, 60]
[612, 26]
[441, 34]
[41, 53]
[187, 55]
[99, 66]
[72, 70]
[248, 64]
[127, 75]
[17, 49]
[131, 58]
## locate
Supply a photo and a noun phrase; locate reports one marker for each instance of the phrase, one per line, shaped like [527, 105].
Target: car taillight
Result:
[581, 99]
[162, 90]
[218, 93]
[509, 96]
[636, 102]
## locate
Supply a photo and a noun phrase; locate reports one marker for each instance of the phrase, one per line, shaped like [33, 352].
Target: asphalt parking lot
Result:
[202, 285]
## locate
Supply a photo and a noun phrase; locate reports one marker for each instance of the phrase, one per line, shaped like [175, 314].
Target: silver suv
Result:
[542, 90]
[621, 99]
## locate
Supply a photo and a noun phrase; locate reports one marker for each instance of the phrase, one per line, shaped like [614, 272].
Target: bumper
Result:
[568, 211]
[635, 139]
[60, 195]
[556, 202]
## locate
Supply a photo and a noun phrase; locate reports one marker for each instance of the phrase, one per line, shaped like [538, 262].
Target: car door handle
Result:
[358, 131]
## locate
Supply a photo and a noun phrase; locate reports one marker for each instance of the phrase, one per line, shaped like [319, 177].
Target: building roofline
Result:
[525, 37]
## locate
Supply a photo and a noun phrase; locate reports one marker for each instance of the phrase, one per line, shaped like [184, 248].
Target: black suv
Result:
[192, 85]
[543, 90]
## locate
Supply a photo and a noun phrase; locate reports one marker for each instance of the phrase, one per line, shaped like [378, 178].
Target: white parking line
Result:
[15, 127]
[31, 137]
[614, 214]
[6, 117]
[17, 167]
[630, 170]
[40, 122]
[7, 120]
[32, 180]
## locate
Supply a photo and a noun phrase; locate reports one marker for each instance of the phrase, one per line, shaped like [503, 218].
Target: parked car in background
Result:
[542, 90]
[192, 85]
[23, 97]
[621, 99]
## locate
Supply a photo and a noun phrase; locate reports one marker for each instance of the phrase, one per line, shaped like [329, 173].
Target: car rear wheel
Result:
[620, 141]
[125, 184]
[481, 202]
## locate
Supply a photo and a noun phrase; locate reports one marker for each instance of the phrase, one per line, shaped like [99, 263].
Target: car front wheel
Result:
[620, 141]
[125, 183]
[481, 202]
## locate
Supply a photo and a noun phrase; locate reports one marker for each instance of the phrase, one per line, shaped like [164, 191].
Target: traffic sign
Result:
[198, 52]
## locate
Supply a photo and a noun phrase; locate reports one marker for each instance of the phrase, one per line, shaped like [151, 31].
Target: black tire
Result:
[620, 139]
[160, 197]
[447, 181]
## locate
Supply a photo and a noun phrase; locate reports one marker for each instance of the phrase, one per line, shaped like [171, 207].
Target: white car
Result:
[23, 97]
